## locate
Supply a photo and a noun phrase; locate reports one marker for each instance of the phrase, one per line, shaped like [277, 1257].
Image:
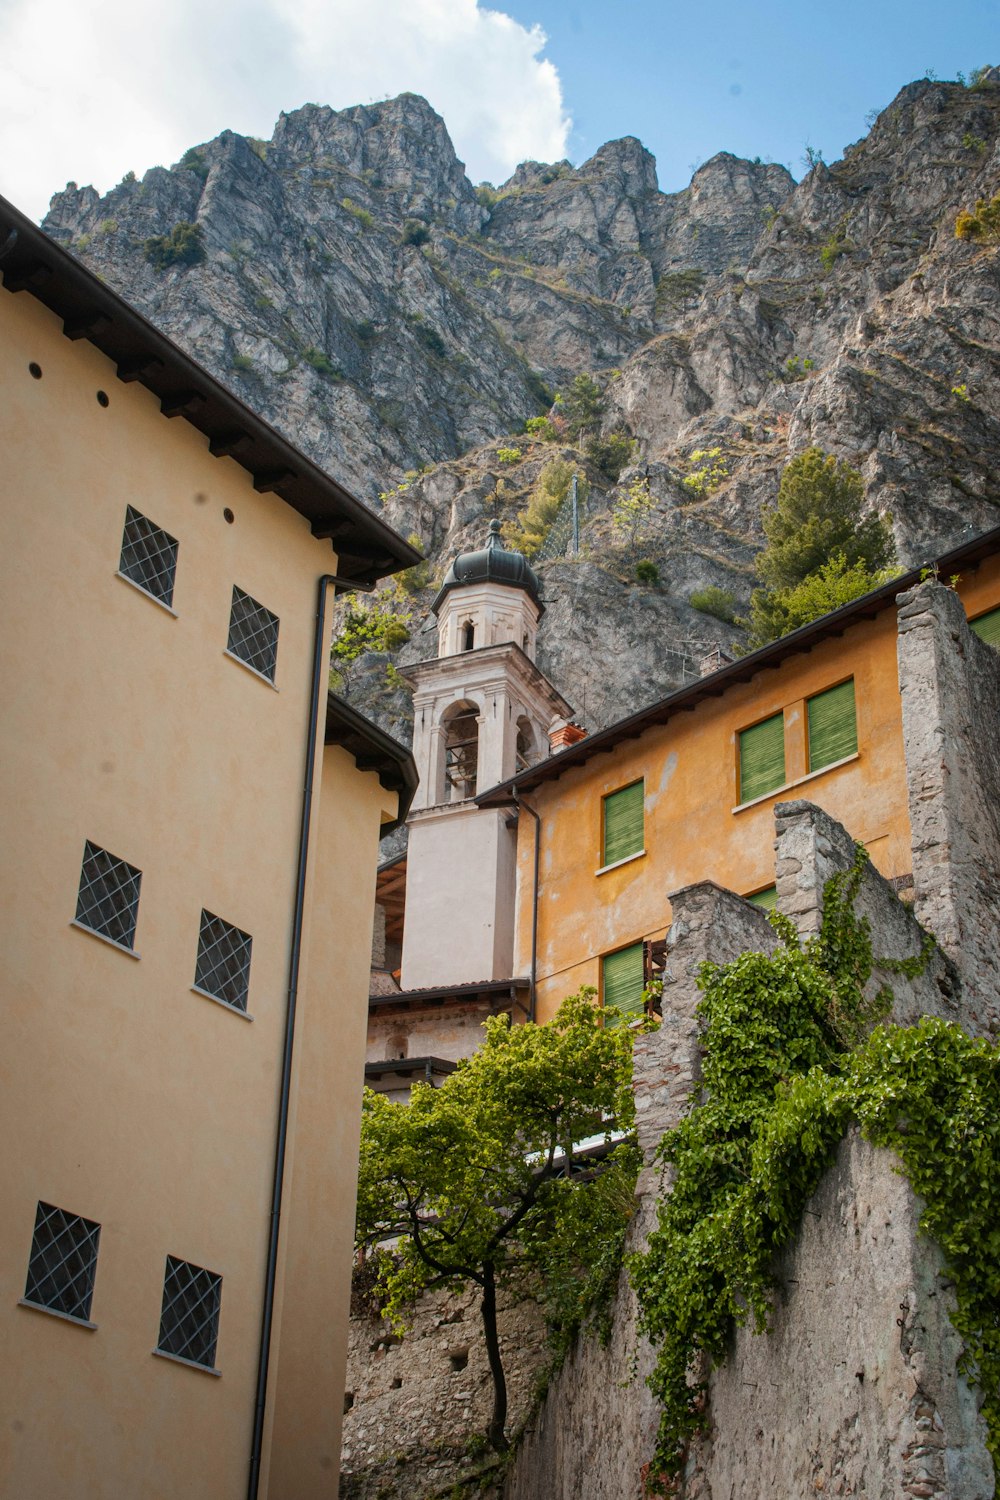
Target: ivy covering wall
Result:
[794, 1053]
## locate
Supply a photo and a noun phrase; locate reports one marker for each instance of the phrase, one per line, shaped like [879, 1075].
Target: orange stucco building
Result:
[585, 921]
[191, 828]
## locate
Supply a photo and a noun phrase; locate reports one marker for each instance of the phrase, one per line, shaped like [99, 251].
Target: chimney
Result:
[714, 661]
[565, 733]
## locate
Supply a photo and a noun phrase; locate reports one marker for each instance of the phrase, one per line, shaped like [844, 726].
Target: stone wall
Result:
[593, 1436]
[810, 848]
[950, 686]
[855, 1389]
[414, 1406]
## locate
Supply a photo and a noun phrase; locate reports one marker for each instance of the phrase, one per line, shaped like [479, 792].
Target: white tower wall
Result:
[481, 710]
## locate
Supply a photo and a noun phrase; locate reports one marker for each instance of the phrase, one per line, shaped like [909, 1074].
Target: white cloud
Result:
[90, 89]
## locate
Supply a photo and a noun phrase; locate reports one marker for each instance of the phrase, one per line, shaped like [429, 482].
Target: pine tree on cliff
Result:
[821, 552]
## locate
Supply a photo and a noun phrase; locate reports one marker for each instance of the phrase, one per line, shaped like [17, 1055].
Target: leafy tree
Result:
[632, 511]
[818, 512]
[714, 601]
[194, 161]
[582, 405]
[471, 1182]
[982, 227]
[541, 428]
[776, 612]
[412, 580]
[321, 362]
[415, 232]
[183, 246]
[375, 626]
[529, 532]
[677, 290]
[611, 454]
[709, 472]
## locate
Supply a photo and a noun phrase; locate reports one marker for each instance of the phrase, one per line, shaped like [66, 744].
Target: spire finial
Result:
[494, 536]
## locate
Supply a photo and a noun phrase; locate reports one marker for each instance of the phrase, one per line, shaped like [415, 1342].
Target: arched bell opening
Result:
[461, 751]
[467, 633]
[526, 745]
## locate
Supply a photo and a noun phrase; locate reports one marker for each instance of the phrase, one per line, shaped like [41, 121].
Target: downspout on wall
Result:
[519, 801]
[317, 695]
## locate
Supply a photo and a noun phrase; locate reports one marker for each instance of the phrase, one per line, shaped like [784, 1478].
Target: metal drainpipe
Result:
[320, 665]
[534, 903]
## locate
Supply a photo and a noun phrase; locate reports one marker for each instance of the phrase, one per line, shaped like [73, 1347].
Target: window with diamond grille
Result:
[253, 634]
[63, 1262]
[108, 902]
[189, 1320]
[223, 967]
[149, 556]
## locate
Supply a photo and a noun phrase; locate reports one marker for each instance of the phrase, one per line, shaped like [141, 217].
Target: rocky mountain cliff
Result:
[348, 281]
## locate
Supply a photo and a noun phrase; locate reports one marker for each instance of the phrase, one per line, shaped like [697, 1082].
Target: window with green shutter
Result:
[762, 758]
[767, 898]
[987, 627]
[621, 981]
[624, 829]
[833, 726]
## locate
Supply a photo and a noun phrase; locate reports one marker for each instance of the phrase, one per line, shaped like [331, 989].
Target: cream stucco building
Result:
[191, 833]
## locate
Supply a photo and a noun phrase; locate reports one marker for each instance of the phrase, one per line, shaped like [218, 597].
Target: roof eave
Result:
[373, 750]
[31, 261]
[867, 606]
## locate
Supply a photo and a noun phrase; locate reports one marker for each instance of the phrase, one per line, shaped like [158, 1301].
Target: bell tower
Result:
[482, 711]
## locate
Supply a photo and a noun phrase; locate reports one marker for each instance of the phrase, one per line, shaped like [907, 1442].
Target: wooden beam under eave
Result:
[85, 324]
[136, 367]
[227, 443]
[329, 531]
[269, 479]
[180, 402]
[32, 275]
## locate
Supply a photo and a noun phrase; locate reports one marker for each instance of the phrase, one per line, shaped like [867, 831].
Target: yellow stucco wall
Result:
[693, 829]
[318, 1228]
[128, 1098]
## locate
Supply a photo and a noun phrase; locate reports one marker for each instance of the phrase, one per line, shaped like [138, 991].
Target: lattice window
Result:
[63, 1262]
[149, 556]
[223, 966]
[108, 901]
[189, 1319]
[253, 634]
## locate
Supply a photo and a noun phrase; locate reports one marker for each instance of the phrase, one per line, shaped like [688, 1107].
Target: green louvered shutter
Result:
[762, 758]
[623, 823]
[833, 727]
[621, 980]
[987, 627]
[768, 898]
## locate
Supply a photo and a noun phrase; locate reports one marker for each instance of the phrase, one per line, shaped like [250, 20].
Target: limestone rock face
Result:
[401, 325]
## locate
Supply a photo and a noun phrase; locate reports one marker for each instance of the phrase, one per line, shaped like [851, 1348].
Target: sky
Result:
[91, 89]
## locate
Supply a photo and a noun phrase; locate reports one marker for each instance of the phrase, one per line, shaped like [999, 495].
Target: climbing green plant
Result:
[790, 1061]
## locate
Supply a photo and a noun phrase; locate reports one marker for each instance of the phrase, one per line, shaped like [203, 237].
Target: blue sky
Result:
[92, 89]
[757, 79]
